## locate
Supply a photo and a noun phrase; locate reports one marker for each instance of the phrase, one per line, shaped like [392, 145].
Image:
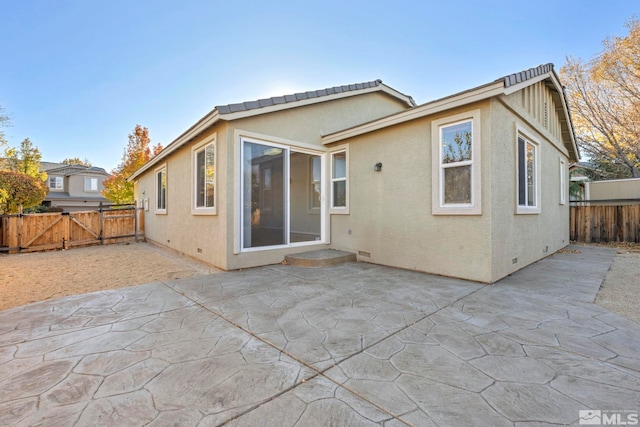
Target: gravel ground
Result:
[38, 276]
[620, 291]
[32, 277]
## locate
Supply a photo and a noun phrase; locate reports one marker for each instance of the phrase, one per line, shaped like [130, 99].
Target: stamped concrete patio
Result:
[356, 344]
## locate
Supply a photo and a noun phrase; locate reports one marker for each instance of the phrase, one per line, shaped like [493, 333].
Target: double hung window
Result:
[161, 190]
[339, 184]
[456, 164]
[91, 184]
[528, 176]
[204, 165]
[55, 182]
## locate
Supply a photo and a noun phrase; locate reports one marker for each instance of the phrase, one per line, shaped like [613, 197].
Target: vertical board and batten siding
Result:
[39, 232]
[538, 100]
[600, 224]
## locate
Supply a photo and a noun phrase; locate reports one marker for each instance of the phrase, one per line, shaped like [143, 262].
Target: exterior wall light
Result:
[377, 167]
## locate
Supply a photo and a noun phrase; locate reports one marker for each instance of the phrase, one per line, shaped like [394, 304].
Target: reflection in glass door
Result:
[281, 191]
[264, 195]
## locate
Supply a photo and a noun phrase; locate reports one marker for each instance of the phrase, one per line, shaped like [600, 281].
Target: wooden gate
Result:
[40, 232]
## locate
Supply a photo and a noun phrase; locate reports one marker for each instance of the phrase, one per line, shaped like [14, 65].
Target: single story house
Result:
[74, 187]
[473, 185]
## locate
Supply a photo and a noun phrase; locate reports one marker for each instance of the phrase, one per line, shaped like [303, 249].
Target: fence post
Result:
[135, 220]
[20, 224]
[101, 224]
[66, 225]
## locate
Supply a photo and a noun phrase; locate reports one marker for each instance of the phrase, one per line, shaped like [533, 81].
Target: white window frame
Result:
[206, 210]
[339, 210]
[90, 180]
[528, 139]
[438, 207]
[563, 182]
[161, 170]
[59, 183]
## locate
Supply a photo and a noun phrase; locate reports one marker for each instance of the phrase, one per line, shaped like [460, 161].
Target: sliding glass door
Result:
[281, 195]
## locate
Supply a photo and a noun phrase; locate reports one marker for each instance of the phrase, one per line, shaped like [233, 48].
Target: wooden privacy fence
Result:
[41, 232]
[620, 223]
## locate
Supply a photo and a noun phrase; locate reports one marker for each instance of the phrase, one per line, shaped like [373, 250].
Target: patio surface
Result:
[356, 344]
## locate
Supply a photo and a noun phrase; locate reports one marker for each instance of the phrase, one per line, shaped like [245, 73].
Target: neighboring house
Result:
[74, 187]
[579, 173]
[473, 185]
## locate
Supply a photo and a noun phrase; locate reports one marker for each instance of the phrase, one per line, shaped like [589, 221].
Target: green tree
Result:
[25, 159]
[138, 152]
[604, 96]
[19, 189]
[76, 161]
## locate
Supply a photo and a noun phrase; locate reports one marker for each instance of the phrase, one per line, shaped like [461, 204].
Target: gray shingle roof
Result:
[65, 169]
[267, 102]
[519, 77]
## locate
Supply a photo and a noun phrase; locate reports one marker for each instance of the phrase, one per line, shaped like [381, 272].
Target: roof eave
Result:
[310, 101]
[462, 98]
[201, 125]
[214, 116]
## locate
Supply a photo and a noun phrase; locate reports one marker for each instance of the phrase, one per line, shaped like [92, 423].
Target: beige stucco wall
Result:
[525, 237]
[390, 211]
[200, 236]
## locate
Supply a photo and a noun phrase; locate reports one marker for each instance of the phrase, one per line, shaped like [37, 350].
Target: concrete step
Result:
[320, 258]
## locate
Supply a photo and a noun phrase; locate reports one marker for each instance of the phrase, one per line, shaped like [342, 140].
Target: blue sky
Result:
[77, 76]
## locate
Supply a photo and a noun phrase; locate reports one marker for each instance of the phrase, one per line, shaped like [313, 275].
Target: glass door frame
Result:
[288, 149]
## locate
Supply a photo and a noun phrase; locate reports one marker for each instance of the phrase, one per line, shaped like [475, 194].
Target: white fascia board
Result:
[394, 93]
[207, 121]
[428, 109]
[526, 83]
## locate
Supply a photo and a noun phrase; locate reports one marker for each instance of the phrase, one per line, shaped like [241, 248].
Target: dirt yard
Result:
[31, 277]
[620, 291]
[38, 276]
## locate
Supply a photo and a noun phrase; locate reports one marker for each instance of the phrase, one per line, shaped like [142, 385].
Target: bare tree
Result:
[604, 96]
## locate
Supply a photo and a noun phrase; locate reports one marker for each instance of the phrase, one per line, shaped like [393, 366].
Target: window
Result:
[91, 184]
[161, 190]
[528, 176]
[55, 182]
[204, 162]
[563, 182]
[339, 186]
[314, 182]
[456, 164]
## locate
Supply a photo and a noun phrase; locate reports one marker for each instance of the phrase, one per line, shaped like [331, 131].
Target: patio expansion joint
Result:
[319, 372]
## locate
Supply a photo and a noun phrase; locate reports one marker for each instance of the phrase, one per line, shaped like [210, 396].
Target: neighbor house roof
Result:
[74, 169]
[59, 195]
[503, 86]
[268, 105]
